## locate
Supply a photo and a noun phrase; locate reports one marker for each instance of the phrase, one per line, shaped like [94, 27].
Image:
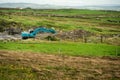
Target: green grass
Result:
[95, 21]
[64, 11]
[65, 48]
[64, 23]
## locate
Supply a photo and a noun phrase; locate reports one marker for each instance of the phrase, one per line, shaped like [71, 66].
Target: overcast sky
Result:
[66, 2]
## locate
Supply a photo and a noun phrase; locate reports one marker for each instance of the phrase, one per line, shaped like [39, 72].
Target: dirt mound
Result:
[59, 67]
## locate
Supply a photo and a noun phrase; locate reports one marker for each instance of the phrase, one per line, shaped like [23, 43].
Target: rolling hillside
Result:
[48, 6]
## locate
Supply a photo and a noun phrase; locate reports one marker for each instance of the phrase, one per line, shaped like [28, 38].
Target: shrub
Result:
[52, 38]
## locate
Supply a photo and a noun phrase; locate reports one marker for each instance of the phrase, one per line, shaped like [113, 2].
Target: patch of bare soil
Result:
[59, 67]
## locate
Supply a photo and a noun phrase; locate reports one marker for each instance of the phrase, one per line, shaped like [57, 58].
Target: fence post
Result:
[85, 37]
[101, 38]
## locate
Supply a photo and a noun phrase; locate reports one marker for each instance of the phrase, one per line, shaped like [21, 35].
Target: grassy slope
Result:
[88, 22]
[64, 48]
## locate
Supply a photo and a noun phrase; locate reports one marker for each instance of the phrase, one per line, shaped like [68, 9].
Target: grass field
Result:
[65, 19]
[95, 21]
[61, 60]
[65, 48]
[32, 66]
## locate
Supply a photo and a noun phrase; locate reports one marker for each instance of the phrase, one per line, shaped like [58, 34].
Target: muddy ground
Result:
[59, 67]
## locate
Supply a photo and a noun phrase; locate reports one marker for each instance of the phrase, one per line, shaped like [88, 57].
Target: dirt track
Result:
[59, 67]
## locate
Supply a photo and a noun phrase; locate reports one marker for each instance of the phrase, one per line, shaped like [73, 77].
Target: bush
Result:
[52, 38]
[5, 24]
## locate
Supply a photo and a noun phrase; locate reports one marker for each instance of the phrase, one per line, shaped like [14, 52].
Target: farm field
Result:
[59, 60]
[31, 66]
[85, 47]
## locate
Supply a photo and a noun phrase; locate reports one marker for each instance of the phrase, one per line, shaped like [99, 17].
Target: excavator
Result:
[32, 34]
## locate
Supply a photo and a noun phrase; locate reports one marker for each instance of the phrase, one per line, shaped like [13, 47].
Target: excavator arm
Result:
[32, 34]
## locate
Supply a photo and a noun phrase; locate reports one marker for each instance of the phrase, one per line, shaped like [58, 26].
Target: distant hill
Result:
[30, 5]
[47, 6]
[100, 7]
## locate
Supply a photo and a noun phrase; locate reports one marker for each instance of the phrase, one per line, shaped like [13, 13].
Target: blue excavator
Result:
[32, 34]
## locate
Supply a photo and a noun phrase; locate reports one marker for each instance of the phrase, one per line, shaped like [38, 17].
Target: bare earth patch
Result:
[58, 67]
